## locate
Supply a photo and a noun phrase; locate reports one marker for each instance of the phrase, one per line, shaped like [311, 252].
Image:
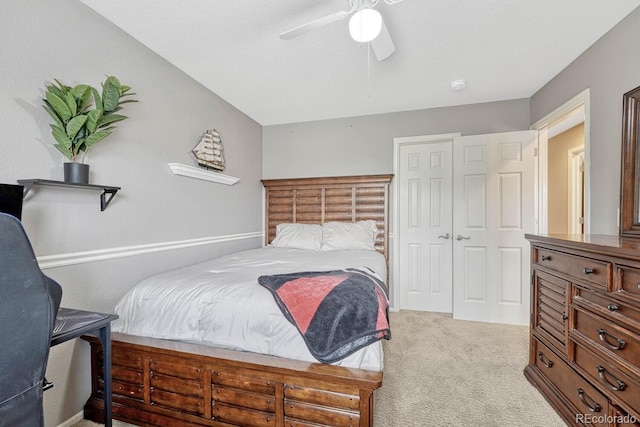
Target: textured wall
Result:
[364, 145]
[609, 68]
[45, 39]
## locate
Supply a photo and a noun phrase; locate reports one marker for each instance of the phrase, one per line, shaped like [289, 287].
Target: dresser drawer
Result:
[613, 310]
[608, 337]
[619, 385]
[587, 401]
[628, 282]
[586, 270]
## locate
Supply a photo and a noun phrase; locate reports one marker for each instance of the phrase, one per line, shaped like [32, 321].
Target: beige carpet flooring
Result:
[444, 372]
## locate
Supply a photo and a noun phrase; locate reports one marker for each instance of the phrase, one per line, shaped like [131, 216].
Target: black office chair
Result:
[29, 301]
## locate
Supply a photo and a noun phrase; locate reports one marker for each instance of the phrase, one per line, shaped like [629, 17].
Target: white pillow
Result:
[349, 236]
[298, 236]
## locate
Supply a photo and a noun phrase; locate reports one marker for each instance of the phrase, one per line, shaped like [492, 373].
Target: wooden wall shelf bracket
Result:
[106, 190]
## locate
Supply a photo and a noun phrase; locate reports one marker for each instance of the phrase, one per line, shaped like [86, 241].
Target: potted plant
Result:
[82, 118]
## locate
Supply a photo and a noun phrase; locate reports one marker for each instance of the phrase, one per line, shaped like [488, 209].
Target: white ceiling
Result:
[505, 49]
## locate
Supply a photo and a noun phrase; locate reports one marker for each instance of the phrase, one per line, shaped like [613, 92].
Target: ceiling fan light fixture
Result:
[365, 25]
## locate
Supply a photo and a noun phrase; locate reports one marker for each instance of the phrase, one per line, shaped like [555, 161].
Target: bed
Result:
[160, 381]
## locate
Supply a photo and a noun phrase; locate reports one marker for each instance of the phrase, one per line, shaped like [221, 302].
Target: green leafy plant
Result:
[82, 116]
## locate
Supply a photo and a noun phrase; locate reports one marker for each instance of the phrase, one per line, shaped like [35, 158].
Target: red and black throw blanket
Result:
[337, 312]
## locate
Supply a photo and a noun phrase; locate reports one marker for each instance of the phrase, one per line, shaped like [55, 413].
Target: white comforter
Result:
[220, 303]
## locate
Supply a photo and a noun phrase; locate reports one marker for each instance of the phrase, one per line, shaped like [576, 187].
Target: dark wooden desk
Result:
[71, 323]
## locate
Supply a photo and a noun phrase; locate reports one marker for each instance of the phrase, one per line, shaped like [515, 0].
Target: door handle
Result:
[460, 237]
[446, 236]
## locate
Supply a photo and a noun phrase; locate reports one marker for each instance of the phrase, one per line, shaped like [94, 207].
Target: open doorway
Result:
[565, 164]
[562, 194]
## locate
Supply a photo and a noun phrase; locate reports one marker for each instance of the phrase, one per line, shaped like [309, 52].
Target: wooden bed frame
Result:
[167, 383]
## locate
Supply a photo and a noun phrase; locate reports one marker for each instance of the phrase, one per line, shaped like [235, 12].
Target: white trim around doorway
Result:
[580, 101]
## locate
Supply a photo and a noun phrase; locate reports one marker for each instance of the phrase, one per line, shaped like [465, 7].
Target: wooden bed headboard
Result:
[320, 200]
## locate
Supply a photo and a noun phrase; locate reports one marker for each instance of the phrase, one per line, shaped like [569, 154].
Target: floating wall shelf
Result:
[200, 173]
[104, 201]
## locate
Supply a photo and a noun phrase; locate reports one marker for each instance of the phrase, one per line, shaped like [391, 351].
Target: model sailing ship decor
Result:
[208, 151]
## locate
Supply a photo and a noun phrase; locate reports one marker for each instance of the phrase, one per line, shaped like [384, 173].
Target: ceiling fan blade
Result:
[382, 45]
[309, 26]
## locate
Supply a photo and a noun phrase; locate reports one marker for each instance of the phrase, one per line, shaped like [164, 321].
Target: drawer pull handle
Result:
[603, 337]
[587, 270]
[582, 395]
[548, 363]
[613, 307]
[546, 257]
[565, 317]
[618, 386]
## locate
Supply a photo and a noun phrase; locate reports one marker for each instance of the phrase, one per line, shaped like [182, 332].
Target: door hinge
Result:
[535, 152]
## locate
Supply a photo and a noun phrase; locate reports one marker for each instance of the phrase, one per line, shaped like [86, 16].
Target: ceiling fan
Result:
[366, 25]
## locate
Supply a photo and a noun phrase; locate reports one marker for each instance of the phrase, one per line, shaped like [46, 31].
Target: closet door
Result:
[493, 206]
[425, 225]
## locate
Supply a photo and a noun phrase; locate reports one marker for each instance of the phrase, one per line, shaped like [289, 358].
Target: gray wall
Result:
[364, 145]
[609, 68]
[45, 39]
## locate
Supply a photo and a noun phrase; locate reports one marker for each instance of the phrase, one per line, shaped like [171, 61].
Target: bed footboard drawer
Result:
[127, 373]
[321, 397]
[166, 399]
[177, 385]
[248, 381]
[126, 382]
[324, 415]
[242, 416]
[245, 399]
[310, 406]
[171, 367]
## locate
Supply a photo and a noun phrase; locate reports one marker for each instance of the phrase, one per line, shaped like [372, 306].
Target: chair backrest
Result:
[29, 302]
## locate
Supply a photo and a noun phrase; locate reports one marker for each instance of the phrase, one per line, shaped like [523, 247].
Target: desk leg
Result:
[105, 339]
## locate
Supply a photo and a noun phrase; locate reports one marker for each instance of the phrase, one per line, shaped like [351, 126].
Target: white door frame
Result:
[395, 219]
[541, 170]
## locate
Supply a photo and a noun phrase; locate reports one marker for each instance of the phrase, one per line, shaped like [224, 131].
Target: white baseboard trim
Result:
[71, 421]
[62, 260]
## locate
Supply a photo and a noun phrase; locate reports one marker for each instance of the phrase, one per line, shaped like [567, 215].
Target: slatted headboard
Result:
[320, 200]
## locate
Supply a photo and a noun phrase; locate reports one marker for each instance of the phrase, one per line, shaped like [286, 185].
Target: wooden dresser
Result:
[584, 353]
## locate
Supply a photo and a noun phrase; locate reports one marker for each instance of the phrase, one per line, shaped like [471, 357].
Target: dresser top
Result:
[596, 243]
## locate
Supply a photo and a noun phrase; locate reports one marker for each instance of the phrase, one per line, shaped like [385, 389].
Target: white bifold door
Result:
[464, 205]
